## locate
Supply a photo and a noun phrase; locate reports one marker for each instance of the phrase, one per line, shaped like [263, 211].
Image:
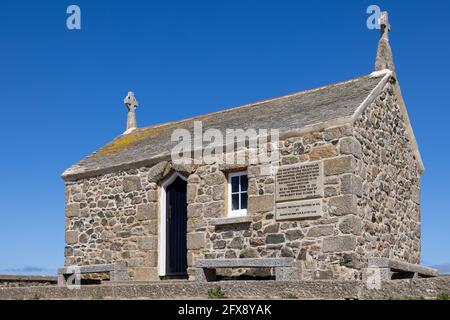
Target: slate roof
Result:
[285, 113]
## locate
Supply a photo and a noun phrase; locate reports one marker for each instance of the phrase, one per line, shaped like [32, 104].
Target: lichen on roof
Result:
[128, 140]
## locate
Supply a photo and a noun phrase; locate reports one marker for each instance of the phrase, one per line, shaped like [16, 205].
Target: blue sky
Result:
[62, 91]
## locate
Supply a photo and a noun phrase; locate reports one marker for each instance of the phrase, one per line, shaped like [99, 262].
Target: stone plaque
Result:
[300, 181]
[299, 209]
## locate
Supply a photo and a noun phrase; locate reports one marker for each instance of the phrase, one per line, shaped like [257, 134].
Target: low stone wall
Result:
[428, 288]
[420, 288]
[9, 281]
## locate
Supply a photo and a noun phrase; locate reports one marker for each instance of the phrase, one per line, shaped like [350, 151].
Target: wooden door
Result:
[176, 224]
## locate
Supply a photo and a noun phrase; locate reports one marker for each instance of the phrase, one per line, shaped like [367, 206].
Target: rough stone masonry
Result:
[349, 187]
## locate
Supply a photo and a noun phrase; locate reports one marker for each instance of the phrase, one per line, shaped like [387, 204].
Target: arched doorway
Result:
[173, 248]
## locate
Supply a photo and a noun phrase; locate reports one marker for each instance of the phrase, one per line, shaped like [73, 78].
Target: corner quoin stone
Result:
[351, 224]
[73, 210]
[339, 244]
[351, 184]
[350, 145]
[342, 205]
[71, 237]
[339, 165]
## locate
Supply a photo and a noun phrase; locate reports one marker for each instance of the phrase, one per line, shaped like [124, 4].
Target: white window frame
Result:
[240, 212]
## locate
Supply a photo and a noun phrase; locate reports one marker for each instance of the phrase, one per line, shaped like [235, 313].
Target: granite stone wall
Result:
[111, 218]
[390, 204]
[324, 247]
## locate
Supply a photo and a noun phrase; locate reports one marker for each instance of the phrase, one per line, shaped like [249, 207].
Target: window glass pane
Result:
[235, 201]
[244, 200]
[244, 183]
[235, 184]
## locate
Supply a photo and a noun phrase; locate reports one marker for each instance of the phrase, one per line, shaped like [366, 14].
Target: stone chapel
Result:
[346, 189]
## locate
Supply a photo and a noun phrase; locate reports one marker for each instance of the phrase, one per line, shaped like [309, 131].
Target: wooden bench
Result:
[389, 269]
[117, 271]
[285, 268]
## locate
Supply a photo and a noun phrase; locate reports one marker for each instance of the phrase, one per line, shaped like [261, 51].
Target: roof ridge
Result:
[375, 74]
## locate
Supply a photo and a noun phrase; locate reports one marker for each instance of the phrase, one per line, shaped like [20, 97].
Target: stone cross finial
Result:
[385, 26]
[131, 103]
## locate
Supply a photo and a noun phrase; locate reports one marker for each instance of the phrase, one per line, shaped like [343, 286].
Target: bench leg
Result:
[286, 274]
[69, 280]
[205, 275]
[385, 274]
[374, 276]
[62, 280]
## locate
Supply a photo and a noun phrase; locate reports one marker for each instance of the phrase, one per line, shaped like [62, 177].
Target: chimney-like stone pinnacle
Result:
[384, 58]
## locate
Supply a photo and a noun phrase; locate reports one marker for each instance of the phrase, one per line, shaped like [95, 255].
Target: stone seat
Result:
[389, 269]
[117, 271]
[285, 268]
